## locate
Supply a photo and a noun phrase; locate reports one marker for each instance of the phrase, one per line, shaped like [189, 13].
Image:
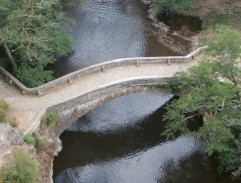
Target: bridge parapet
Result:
[102, 67]
[102, 94]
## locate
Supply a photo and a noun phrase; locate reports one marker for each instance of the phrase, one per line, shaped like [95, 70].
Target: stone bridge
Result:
[79, 92]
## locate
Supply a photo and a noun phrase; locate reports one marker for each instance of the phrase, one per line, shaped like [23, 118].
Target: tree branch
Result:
[12, 60]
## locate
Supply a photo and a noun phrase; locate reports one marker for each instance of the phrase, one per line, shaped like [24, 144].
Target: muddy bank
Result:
[45, 156]
[165, 30]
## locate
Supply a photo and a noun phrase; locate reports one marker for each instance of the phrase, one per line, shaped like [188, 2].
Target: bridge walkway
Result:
[25, 109]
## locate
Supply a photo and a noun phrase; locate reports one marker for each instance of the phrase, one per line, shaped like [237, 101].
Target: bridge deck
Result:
[25, 109]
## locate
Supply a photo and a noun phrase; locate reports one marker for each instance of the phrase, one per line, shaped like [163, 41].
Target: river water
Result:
[112, 29]
[120, 141]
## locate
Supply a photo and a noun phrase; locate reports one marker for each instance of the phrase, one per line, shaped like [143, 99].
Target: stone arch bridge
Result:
[79, 92]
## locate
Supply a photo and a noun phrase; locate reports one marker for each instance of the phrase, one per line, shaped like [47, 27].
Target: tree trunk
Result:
[12, 60]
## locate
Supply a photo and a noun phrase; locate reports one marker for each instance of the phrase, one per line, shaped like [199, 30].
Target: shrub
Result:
[29, 139]
[50, 118]
[21, 169]
[4, 108]
[33, 76]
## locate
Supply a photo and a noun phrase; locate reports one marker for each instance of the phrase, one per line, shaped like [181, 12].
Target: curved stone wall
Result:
[77, 107]
[102, 67]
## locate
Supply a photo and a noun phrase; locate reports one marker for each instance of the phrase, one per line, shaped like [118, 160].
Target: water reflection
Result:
[148, 165]
[112, 29]
[120, 142]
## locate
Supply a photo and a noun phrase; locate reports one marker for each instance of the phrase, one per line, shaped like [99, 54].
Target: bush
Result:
[21, 169]
[50, 118]
[225, 43]
[33, 76]
[29, 139]
[4, 108]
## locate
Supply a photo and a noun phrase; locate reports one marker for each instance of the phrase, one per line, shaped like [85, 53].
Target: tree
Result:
[173, 5]
[225, 43]
[32, 37]
[211, 89]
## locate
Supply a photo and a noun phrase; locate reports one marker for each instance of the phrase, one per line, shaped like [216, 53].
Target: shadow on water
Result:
[96, 150]
[104, 146]
[179, 22]
[128, 135]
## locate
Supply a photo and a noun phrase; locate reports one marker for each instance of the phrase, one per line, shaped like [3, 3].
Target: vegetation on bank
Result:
[212, 89]
[169, 6]
[50, 118]
[31, 38]
[34, 140]
[4, 109]
[22, 168]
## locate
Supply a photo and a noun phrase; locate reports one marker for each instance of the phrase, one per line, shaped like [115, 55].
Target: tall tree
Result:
[212, 90]
[31, 36]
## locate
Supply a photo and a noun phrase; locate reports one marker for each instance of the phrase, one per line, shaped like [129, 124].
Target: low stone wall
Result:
[102, 67]
[105, 90]
[72, 114]
[109, 91]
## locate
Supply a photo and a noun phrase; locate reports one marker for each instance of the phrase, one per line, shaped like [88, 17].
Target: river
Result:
[120, 141]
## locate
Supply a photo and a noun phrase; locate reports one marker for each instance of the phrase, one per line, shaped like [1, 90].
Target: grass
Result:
[50, 118]
[29, 139]
[232, 20]
[22, 168]
[4, 109]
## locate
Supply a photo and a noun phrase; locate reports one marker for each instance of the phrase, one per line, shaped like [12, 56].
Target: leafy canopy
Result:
[31, 34]
[212, 89]
[225, 43]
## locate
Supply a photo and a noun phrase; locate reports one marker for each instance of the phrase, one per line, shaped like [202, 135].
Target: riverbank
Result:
[205, 8]
[211, 12]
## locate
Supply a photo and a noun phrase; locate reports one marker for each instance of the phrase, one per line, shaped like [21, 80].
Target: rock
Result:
[9, 136]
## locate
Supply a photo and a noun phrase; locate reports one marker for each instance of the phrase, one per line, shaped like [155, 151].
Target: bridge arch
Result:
[73, 109]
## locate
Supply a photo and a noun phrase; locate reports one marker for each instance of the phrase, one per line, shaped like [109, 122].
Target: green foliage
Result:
[230, 19]
[33, 76]
[34, 140]
[22, 169]
[29, 139]
[173, 5]
[4, 108]
[225, 43]
[50, 118]
[212, 89]
[72, 2]
[4, 62]
[31, 34]
[219, 102]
